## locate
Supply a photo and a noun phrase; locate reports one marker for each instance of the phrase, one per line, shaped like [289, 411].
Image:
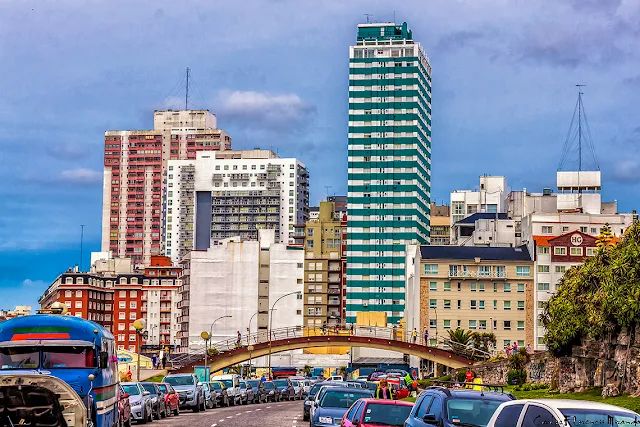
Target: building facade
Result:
[134, 172]
[389, 165]
[481, 289]
[232, 193]
[440, 224]
[241, 279]
[490, 197]
[115, 295]
[324, 242]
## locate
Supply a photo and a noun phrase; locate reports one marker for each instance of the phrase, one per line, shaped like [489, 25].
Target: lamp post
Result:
[138, 325]
[249, 346]
[271, 323]
[436, 311]
[207, 337]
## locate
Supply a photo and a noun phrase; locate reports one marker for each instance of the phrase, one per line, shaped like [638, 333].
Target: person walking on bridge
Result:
[414, 335]
[426, 336]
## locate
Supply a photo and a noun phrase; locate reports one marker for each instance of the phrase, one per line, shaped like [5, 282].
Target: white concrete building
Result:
[220, 195]
[490, 197]
[242, 279]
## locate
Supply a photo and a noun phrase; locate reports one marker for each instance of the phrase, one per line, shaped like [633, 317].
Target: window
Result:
[559, 250]
[133, 304]
[537, 416]
[508, 415]
[132, 337]
[433, 286]
[546, 229]
[68, 294]
[591, 251]
[561, 268]
[122, 304]
[523, 271]
[121, 315]
[433, 303]
[521, 325]
[123, 294]
[121, 337]
[472, 324]
[447, 324]
[594, 230]
[132, 316]
[495, 304]
[495, 287]
[121, 326]
[484, 271]
[481, 304]
[543, 269]
[133, 294]
[507, 305]
[78, 294]
[447, 303]
[473, 304]
[78, 304]
[507, 325]
[482, 324]
[473, 287]
[424, 406]
[520, 287]
[432, 323]
[583, 229]
[543, 250]
[459, 304]
[521, 305]
[576, 251]
[507, 287]
[543, 286]
[540, 304]
[447, 286]
[430, 269]
[480, 287]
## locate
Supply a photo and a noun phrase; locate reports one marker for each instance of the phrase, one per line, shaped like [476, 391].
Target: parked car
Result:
[375, 376]
[209, 396]
[454, 407]
[377, 412]
[297, 387]
[124, 408]
[335, 378]
[285, 388]
[363, 378]
[139, 401]
[368, 385]
[335, 402]
[259, 391]
[158, 408]
[189, 389]
[554, 412]
[308, 401]
[401, 373]
[221, 395]
[171, 398]
[246, 393]
[272, 390]
[232, 382]
[400, 389]
[324, 386]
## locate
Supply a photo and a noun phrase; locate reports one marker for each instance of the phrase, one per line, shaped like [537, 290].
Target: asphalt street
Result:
[286, 414]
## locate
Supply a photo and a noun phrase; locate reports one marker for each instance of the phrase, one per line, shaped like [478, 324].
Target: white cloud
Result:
[265, 110]
[33, 283]
[626, 171]
[80, 176]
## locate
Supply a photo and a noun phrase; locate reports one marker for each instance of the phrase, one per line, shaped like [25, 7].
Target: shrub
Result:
[516, 376]
[526, 387]
[445, 378]
[425, 383]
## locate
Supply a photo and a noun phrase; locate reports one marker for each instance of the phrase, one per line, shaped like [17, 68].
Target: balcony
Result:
[335, 314]
[183, 319]
[477, 274]
[334, 278]
[165, 309]
[165, 320]
[333, 291]
[165, 297]
[333, 302]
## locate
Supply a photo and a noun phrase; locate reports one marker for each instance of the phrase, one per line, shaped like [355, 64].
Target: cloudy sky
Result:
[275, 73]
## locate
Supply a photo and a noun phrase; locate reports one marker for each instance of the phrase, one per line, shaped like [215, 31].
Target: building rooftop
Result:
[471, 220]
[520, 253]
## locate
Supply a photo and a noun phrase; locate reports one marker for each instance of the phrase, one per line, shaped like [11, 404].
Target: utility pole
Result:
[186, 95]
[81, 244]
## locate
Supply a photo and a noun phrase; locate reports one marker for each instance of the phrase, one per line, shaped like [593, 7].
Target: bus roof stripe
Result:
[40, 329]
[43, 336]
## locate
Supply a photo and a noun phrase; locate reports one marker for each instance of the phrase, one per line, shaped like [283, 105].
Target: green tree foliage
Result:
[605, 236]
[306, 370]
[519, 359]
[598, 298]
[481, 340]
[460, 336]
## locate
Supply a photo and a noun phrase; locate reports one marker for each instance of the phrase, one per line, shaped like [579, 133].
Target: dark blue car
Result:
[335, 402]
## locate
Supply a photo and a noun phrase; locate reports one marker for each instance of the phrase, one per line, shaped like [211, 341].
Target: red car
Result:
[171, 399]
[400, 389]
[377, 412]
[124, 408]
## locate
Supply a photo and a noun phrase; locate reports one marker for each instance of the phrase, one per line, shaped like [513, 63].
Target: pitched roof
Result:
[489, 253]
[470, 220]
[542, 240]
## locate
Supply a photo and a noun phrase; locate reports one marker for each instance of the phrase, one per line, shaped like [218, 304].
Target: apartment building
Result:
[490, 197]
[440, 224]
[233, 193]
[134, 171]
[242, 279]
[482, 289]
[389, 165]
[324, 242]
[114, 294]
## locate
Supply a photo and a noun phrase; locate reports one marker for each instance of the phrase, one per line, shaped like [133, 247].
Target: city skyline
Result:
[52, 161]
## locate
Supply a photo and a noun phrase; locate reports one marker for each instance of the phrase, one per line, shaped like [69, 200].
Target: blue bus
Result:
[43, 349]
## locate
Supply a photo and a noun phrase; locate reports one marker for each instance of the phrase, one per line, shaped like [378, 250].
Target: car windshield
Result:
[216, 386]
[243, 386]
[150, 388]
[19, 357]
[340, 399]
[180, 380]
[253, 383]
[582, 417]
[372, 386]
[131, 389]
[281, 383]
[227, 383]
[68, 357]
[269, 385]
[314, 390]
[388, 415]
[472, 411]
[162, 388]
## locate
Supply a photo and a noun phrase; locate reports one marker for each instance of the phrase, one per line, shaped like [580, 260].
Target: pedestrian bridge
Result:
[227, 353]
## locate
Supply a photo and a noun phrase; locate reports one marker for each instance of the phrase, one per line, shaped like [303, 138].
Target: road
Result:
[286, 414]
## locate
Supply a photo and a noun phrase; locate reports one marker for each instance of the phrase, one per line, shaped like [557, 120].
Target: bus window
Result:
[19, 357]
[68, 357]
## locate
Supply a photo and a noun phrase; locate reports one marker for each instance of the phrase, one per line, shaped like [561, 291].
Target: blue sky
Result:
[275, 73]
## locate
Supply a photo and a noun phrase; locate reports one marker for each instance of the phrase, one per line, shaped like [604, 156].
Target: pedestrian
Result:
[468, 377]
[395, 328]
[164, 361]
[262, 378]
[528, 348]
[239, 340]
[324, 328]
[414, 335]
[129, 374]
[352, 328]
[154, 361]
[515, 347]
[426, 336]
[507, 349]
[383, 391]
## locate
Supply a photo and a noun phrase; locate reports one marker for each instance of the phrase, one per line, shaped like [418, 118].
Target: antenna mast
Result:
[81, 244]
[186, 95]
[579, 127]
[368, 15]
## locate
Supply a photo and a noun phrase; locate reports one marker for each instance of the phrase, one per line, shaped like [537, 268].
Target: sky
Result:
[276, 75]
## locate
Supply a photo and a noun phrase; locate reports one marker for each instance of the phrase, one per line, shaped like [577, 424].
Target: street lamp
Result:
[212, 323]
[271, 323]
[206, 336]
[436, 311]
[139, 325]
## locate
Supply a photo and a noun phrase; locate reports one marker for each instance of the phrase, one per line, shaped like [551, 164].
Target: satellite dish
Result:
[205, 335]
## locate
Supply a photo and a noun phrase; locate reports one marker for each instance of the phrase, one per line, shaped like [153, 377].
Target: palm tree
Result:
[460, 336]
[306, 370]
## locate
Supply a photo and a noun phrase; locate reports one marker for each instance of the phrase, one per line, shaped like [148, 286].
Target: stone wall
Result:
[611, 363]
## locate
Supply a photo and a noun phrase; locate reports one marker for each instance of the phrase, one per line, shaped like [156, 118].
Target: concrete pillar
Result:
[439, 370]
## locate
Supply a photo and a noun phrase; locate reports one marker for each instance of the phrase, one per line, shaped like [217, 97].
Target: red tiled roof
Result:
[543, 240]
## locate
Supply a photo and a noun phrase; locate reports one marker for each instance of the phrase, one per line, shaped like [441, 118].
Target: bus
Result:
[55, 353]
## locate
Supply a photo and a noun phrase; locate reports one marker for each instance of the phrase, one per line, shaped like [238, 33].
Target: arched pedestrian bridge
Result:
[227, 353]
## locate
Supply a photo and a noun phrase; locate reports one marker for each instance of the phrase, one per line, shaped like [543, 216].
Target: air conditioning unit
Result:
[365, 304]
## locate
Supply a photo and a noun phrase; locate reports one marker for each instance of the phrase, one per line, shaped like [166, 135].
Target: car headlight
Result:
[326, 420]
[138, 403]
[189, 394]
[307, 403]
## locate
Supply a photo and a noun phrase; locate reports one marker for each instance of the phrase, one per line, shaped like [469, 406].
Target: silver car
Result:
[140, 401]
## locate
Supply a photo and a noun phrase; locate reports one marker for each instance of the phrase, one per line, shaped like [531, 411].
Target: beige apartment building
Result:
[324, 241]
[440, 224]
[482, 289]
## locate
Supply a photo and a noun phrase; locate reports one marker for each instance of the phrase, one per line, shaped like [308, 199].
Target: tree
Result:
[343, 371]
[481, 340]
[604, 237]
[597, 299]
[460, 336]
[306, 370]
[235, 369]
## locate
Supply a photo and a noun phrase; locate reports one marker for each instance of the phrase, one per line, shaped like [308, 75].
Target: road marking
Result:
[221, 420]
[238, 414]
[214, 425]
[269, 407]
[246, 412]
[230, 416]
[260, 409]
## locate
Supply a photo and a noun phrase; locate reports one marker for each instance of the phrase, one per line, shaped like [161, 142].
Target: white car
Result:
[559, 412]
[335, 378]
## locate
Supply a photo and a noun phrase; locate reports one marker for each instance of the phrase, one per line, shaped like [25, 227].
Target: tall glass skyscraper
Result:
[389, 165]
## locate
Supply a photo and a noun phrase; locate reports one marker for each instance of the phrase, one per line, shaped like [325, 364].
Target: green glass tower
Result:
[389, 165]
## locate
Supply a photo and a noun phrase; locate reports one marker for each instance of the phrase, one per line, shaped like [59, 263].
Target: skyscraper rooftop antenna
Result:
[368, 15]
[580, 132]
[186, 93]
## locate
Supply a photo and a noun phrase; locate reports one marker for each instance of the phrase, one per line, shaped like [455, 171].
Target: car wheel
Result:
[196, 408]
[176, 411]
[305, 417]
[163, 414]
[150, 415]
[143, 419]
